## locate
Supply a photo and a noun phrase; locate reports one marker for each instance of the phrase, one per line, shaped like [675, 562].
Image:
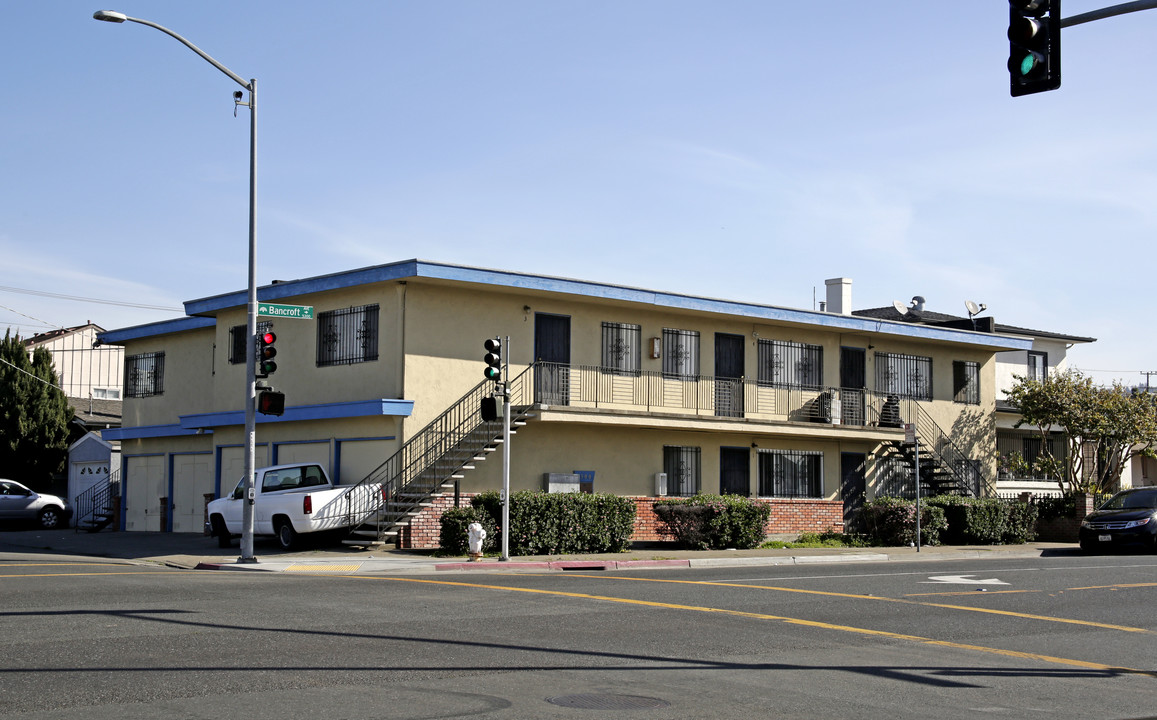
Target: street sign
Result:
[295, 312]
[910, 433]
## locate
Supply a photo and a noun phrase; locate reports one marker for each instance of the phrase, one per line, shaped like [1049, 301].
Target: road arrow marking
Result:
[961, 580]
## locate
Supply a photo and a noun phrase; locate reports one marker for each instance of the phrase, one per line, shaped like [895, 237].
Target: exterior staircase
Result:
[432, 461]
[96, 507]
[944, 468]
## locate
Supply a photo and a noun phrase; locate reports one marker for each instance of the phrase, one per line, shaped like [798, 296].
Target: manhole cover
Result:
[600, 701]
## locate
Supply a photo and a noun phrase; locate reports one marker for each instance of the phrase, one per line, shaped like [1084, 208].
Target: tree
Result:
[1106, 426]
[34, 415]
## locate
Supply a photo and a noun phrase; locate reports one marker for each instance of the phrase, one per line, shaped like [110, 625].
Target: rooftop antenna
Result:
[974, 309]
[900, 307]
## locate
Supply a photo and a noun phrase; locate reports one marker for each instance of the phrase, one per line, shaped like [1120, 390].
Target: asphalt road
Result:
[1068, 637]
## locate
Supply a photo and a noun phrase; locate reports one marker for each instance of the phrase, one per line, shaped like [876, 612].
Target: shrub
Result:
[552, 523]
[454, 536]
[714, 521]
[892, 522]
[985, 521]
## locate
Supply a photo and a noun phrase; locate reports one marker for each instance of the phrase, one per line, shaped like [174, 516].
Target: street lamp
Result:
[251, 327]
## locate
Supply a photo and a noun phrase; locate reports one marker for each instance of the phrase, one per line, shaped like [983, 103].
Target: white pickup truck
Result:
[290, 500]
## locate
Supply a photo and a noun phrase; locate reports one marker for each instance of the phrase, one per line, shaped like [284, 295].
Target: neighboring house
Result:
[1018, 448]
[90, 375]
[633, 391]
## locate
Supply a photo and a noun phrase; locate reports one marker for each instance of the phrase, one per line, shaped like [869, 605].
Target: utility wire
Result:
[41, 293]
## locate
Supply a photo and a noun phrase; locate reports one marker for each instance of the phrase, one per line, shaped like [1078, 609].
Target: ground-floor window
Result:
[683, 466]
[791, 474]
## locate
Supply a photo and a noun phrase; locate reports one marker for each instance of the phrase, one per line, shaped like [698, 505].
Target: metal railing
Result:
[432, 457]
[655, 392]
[99, 497]
[964, 470]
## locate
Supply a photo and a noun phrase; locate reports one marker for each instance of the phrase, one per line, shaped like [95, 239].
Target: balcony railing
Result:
[656, 393]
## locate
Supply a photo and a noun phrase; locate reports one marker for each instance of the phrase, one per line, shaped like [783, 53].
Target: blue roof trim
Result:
[325, 411]
[146, 431]
[164, 327]
[543, 283]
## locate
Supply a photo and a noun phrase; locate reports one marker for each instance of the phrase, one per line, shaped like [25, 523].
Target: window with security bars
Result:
[237, 335]
[347, 336]
[622, 345]
[790, 364]
[145, 375]
[894, 478]
[791, 474]
[683, 467]
[681, 353]
[907, 376]
[966, 382]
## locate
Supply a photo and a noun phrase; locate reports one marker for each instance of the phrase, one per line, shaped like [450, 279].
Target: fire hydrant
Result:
[476, 535]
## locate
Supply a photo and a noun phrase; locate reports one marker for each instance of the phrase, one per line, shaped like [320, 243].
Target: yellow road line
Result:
[973, 592]
[1070, 662]
[879, 598]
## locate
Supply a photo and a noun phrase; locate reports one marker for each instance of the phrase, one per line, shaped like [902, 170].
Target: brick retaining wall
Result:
[788, 517]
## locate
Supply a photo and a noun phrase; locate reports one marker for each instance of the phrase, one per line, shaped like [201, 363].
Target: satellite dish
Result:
[900, 307]
[973, 308]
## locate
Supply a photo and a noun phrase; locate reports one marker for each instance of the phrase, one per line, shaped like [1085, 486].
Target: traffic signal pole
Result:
[506, 455]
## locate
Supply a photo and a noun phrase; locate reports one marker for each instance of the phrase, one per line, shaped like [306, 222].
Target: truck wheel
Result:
[286, 535]
[222, 532]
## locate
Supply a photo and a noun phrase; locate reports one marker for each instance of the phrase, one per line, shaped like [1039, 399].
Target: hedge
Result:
[714, 522]
[892, 522]
[986, 521]
[556, 523]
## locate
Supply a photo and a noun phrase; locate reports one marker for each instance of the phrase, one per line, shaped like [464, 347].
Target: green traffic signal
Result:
[1034, 43]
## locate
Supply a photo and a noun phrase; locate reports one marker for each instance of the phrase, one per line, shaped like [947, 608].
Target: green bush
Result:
[554, 523]
[985, 521]
[454, 536]
[1050, 508]
[892, 522]
[714, 521]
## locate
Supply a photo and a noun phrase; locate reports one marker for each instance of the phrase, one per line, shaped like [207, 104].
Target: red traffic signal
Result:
[265, 354]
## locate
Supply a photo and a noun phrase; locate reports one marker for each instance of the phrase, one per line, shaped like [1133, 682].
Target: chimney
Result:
[839, 295]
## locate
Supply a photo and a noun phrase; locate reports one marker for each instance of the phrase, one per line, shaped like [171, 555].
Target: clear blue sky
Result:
[745, 150]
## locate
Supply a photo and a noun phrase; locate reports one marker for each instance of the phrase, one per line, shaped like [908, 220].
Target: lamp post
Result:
[251, 325]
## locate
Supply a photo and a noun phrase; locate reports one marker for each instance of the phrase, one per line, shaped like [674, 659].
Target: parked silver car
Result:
[17, 502]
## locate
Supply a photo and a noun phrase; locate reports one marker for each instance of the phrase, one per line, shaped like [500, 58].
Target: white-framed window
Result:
[100, 393]
[906, 376]
[683, 466]
[622, 347]
[790, 364]
[966, 382]
[347, 336]
[791, 473]
[681, 353]
[145, 375]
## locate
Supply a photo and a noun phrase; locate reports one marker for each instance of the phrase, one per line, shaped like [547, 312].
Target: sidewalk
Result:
[196, 551]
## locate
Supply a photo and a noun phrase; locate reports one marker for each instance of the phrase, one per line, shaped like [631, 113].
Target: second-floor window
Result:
[790, 364]
[1038, 366]
[966, 382]
[622, 347]
[904, 375]
[145, 375]
[681, 353]
[347, 336]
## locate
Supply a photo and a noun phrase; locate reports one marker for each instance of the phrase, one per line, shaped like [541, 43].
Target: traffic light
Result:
[271, 402]
[1034, 46]
[493, 360]
[491, 408]
[265, 354]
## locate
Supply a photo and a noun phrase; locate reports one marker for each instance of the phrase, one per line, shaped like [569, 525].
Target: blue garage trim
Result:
[146, 431]
[326, 411]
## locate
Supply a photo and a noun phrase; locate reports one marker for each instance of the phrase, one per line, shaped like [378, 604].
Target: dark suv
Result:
[1129, 518]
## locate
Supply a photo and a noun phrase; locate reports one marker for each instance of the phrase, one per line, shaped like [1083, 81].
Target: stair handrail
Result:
[399, 476]
[97, 496]
[935, 440]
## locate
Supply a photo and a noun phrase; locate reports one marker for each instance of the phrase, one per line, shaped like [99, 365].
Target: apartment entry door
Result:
[729, 375]
[552, 353]
[852, 488]
[853, 384]
[735, 471]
